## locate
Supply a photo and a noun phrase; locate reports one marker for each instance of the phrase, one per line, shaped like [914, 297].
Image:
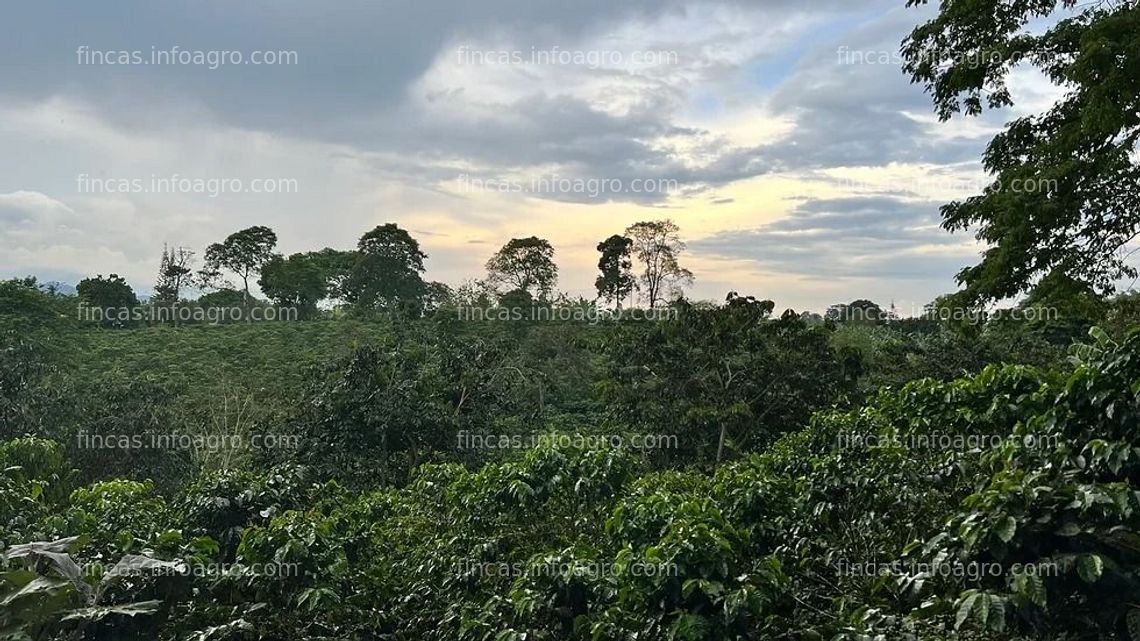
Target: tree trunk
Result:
[245, 282]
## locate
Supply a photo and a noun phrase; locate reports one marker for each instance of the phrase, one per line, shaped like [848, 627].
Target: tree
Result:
[474, 293]
[387, 271]
[861, 312]
[173, 274]
[243, 252]
[106, 294]
[336, 266]
[296, 281]
[526, 264]
[657, 245]
[616, 280]
[1066, 190]
[437, 295]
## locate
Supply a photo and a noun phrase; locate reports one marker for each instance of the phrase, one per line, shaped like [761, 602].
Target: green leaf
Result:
[1031, 588]
[1090, 567]
[964, 608]
[98, 613]
[43, 586]
[1006, 529]
[997, 614]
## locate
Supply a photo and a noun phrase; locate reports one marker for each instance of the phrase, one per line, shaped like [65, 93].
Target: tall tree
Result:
[525, 264]
[616, 280]
[243, 253]
[657, 244]
[296, 281]
[387, 271]
[1066, 192]
[173, 274]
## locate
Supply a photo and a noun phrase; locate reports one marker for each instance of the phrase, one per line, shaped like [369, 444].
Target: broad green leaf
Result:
[964, 608]
[1090, 567]
[1006, 529]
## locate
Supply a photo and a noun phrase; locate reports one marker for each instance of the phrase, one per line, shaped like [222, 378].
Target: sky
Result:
[781, 136]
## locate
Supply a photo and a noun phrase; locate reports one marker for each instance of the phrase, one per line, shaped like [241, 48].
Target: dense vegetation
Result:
[728, 473]
[404, 460]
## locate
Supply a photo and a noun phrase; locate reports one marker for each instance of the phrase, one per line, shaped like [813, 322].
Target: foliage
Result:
[524, 264]
[1062, 521]
[1011, 466]
[174, 274]
[657, 245]
[390, 407]
[117, 428]
[387, 272]
[109, 295]
[33, 326]
[46, 595]
[223, 297]
[806, 451]
[722, 377]
[296, 281]
[1066, 181]
[243, 252]
[860, 311]
[336, 266]
[35, 481]
[116, 517]
[616, 281]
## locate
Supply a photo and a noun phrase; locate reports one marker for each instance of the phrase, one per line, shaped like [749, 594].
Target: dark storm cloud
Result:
[355, 57]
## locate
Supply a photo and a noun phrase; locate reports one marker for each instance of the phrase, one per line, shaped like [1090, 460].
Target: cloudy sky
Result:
[781, 135]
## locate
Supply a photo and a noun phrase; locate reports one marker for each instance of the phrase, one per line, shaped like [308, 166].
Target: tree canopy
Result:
[387, 271]
[525, 264]
[616, 281]
[243, 252]
[657, 245]
[1065, 196]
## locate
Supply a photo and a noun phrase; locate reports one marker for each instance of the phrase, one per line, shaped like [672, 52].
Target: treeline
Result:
[386, 272]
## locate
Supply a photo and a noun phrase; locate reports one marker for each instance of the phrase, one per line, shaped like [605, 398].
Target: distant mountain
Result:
[58, 287]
